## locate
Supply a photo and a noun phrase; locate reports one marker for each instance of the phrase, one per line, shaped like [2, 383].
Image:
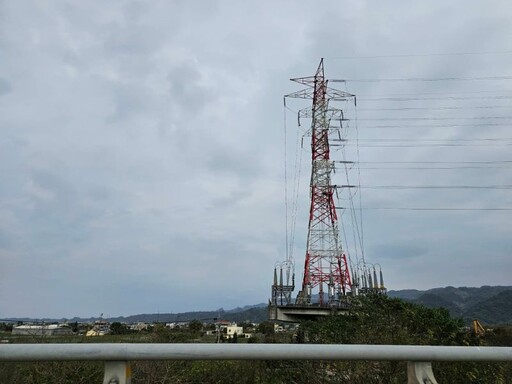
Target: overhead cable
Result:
[475, 78]
[437, 93]
[430, 145]
[435, 209]
[439, 118]
[418, 55]
[438, 168]
[436, 125]
[432, 186]
[470, 107]
[437, 162]
[387, 98]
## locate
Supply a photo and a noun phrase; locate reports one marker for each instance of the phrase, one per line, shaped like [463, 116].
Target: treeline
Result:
[382, 320]
[488, 304]
[371, 320]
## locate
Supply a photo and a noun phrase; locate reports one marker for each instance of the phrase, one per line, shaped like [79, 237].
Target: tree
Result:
[117, 328]
[5, 327]
[377, 319]
[195, 326]
[266, 327]
[247, 326]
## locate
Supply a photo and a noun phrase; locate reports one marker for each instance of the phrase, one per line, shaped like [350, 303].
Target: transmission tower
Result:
[327, 279]
[325, 266]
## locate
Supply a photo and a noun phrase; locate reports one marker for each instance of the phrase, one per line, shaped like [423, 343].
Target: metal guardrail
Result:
[118, 356]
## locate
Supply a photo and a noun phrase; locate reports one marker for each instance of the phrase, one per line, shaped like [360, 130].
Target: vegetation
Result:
[379, 320]
[488, 304]
[117, 328]
[371, 320]
[382, 320]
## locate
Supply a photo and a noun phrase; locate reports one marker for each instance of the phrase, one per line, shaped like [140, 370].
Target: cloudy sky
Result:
[142, 155]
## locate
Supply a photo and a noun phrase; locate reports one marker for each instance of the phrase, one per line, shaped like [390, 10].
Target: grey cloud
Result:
[187, 89]
[232, 160]
[5, 87]
[392, 253]
[130, 101]
[146, 138]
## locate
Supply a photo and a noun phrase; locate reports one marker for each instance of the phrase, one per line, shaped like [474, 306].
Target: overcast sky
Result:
[142, 155]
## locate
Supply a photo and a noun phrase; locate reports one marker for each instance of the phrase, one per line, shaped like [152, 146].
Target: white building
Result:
[42, 330]
[230, 331]
[140, 326]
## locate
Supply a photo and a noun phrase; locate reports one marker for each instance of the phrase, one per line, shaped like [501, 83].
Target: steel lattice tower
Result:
[325, 266]
[326, 271]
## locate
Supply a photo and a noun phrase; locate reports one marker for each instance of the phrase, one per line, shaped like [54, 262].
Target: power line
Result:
[429, 145]
[434, 168]
[437, 125]
[435, 209]
[440, 140]
[438, 118]
[437, 162]
[435, 108]
[417, 55]
[433, 79]
[393, 98]
[437, 93]
[477, 142]
[496, 164]
[433, 186]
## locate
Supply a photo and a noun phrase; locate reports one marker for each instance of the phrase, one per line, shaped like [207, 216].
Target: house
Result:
[100, 328]
[231, 330]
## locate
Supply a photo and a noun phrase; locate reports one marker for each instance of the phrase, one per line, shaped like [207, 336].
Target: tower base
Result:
[296, 313]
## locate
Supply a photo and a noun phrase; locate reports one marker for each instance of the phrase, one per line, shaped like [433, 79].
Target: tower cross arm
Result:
[337, 94]
[302, 94]
[308, 80]
[331, 113]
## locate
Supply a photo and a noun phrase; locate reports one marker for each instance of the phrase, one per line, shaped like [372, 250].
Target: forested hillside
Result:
[488, 304]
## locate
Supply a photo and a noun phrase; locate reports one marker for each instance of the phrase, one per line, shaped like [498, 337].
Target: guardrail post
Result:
[420, 373]
[117, 372]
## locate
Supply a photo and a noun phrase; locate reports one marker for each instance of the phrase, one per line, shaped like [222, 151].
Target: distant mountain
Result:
[488, 304]
[491, 305]
[432, 300]
[252, 313]
[406, 294]
[495, 310]
[247, 307]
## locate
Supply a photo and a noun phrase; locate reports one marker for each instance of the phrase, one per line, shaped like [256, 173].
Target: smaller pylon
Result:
[282, 288]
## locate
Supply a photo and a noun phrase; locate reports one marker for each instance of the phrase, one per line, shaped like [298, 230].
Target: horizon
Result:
[241, 307]
[144, 145]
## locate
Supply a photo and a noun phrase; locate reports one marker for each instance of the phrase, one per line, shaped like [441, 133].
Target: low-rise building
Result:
[42, 330]
[140, 326]
[100, 328]
[231, 330]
